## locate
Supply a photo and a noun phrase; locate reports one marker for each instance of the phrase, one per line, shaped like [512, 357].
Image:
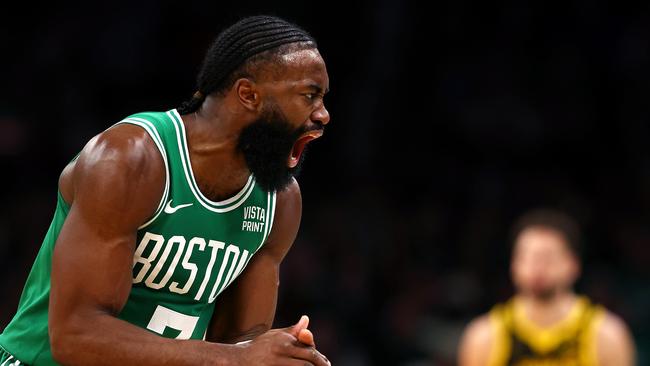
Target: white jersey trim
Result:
[153, 133]
[236, 201]
[275, 195]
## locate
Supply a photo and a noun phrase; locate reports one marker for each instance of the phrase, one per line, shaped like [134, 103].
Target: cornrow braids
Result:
[249, 41]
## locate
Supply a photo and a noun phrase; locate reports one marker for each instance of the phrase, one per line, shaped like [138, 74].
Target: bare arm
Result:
[475, 344]
[114, 186]
[614, 342]
[247, 308]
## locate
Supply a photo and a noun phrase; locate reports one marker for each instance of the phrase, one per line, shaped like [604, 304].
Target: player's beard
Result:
[266, 145]
[546, 294]
[543, 293]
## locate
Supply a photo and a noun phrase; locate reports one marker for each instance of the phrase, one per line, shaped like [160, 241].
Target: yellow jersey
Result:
[569, 342]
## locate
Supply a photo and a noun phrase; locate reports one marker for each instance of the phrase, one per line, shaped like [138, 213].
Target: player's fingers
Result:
[303, 323]
[309, 354]
[307, 337]
[295, 362]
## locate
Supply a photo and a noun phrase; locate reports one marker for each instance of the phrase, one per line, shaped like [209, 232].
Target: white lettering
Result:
[146, 262]
[234, 250]
[238, 270]
[231, 265]
[216, 245]
[150, 281]
[254, 213]
[252, 226]
[259, 226]
[189, 266]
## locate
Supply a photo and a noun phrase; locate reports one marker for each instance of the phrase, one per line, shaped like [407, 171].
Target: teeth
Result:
[313, 134]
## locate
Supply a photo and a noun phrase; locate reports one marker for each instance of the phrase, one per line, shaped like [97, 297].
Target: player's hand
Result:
[303, 334]
[292, 346]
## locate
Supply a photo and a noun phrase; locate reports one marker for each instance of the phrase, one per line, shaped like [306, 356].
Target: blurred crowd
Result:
[446, 125]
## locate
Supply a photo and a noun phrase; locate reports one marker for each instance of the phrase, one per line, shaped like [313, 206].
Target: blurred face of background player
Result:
[542, 264]
[292, 114]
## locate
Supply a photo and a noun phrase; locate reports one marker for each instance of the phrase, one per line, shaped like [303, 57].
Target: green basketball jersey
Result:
[188, 252]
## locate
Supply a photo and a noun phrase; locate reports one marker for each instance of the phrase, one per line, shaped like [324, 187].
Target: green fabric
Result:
[7, 359]
[186, 254]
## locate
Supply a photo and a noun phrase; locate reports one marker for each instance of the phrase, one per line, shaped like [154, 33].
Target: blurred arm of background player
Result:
[112, 188]
[613, 342]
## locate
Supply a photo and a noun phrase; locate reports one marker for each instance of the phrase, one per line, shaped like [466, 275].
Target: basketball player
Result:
[160, 213]
[546, 323]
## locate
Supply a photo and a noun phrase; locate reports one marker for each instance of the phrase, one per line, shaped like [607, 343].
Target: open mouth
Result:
[299, 145]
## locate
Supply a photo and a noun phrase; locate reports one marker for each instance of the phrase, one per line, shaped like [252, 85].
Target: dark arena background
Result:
[447, 123]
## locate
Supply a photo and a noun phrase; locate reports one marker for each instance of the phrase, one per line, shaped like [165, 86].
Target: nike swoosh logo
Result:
[170, 210]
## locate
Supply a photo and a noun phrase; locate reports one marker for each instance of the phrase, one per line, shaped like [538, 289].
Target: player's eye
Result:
[310, 96]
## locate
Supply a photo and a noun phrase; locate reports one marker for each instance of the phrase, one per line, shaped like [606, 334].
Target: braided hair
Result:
[241, 49]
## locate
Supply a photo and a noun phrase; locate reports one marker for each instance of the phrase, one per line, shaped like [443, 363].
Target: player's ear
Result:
[576, 267]
[248, 93]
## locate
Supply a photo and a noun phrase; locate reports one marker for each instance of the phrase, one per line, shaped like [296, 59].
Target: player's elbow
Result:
[60, 345]
[64, 341]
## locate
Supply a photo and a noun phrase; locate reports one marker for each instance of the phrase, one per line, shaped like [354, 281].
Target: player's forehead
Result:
[305, 68]
[537, 239]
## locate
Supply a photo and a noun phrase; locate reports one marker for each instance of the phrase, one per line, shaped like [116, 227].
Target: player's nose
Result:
[321, 115]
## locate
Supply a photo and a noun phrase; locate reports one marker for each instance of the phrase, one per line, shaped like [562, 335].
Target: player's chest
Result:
[565, 353]
[197, 255]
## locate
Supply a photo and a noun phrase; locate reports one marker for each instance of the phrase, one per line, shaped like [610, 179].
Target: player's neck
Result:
[219, 169]
[214, 127]
[548, 310]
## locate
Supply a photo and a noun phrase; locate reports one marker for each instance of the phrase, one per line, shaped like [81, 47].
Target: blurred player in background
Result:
[171, 226]
[546, 322]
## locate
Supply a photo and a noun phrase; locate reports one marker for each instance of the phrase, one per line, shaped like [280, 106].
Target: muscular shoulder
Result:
[614, 341]
[476, 341]
[478, 333]
[612, 327]
[290, 200]
[126, 149]
[120, 169]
